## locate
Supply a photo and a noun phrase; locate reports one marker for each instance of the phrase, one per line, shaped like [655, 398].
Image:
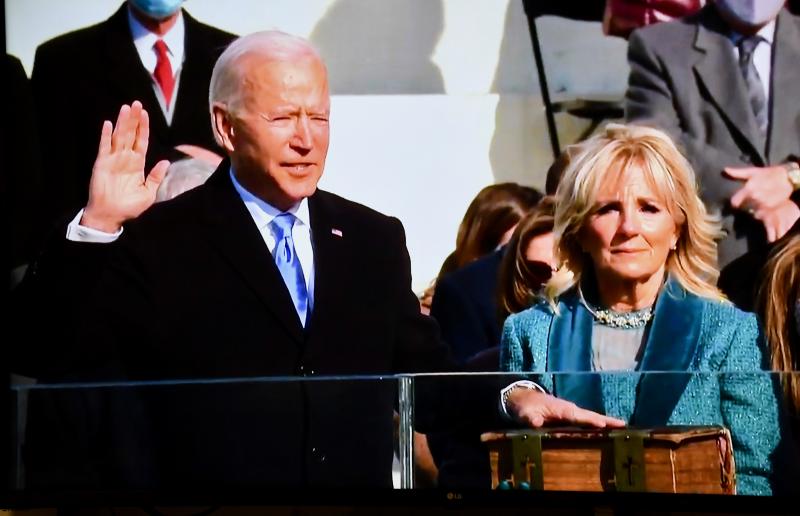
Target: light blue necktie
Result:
[288, 263]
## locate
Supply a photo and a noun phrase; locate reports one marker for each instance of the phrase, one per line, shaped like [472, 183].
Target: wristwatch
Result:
[519, 384]
[793, 173]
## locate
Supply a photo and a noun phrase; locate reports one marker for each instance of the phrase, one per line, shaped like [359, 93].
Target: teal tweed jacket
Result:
[700, 366]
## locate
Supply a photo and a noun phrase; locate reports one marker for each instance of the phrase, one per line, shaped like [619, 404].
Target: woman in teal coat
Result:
[635, 291]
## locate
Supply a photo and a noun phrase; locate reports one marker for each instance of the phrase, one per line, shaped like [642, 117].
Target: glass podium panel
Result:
[220, 434]
[692, 438]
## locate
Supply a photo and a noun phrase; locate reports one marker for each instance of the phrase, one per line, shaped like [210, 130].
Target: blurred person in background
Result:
[467, 311]
[723, 83]
[489, 221]
[182, 176]
[778, 304]
[151, 51]
[486, 226]
[20, 188]
[463, 300]
[529, 261]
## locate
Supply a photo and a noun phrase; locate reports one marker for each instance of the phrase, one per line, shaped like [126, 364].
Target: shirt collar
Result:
[144, 39]
[767, 33]
[263, 212]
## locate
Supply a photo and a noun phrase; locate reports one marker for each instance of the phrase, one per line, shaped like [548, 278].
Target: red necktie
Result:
[163, 72]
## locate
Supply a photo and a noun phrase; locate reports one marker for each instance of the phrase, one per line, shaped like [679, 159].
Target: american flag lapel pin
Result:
[337, 232]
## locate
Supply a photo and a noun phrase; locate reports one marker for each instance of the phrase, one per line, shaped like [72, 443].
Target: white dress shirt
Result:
[78, 233]
[263, 214]
[144, 40]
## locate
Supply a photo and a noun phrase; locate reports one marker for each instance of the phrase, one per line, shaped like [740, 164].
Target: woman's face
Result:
[629, 231]
[540, 249]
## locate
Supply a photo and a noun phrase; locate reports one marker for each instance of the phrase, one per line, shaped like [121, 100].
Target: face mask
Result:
[157, 9]
[753, 13]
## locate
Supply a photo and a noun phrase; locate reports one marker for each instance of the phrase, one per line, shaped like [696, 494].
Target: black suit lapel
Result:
[330, 240]
[126, 72]
[718, 72]
[234, 234]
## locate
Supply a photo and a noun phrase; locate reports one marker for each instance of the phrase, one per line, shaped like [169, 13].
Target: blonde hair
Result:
[777, 295]
[606, 156]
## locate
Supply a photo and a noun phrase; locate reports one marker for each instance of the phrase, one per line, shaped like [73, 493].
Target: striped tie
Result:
[755, 89]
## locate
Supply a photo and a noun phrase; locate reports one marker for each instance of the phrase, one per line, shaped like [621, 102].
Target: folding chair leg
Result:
[552, 130]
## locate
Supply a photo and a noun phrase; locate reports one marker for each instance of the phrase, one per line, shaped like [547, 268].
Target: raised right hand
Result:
[118, 189]
[537, 409]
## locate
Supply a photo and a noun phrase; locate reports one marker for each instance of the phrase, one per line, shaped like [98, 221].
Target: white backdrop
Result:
[432, 99]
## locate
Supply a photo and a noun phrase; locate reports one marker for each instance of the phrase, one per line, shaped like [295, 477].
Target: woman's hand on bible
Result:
[537, 409]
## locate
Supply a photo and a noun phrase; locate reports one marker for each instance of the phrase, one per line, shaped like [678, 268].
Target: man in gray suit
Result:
[725, 83]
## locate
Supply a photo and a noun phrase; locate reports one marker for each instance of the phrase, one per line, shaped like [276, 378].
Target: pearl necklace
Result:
[624, 320]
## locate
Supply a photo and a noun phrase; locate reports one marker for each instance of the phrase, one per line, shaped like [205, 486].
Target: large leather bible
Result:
[681, 459]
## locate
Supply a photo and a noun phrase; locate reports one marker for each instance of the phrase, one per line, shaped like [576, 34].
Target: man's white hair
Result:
[183, 175]
[272, 45]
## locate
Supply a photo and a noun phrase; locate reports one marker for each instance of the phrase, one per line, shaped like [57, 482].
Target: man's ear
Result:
[223, 127]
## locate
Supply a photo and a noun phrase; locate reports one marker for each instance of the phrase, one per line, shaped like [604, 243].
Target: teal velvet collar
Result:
[670, 346]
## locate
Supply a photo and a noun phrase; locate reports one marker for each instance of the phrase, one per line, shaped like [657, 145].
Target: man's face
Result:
[156, 9]
[279, 135]
[540, 249]
[748, 16]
